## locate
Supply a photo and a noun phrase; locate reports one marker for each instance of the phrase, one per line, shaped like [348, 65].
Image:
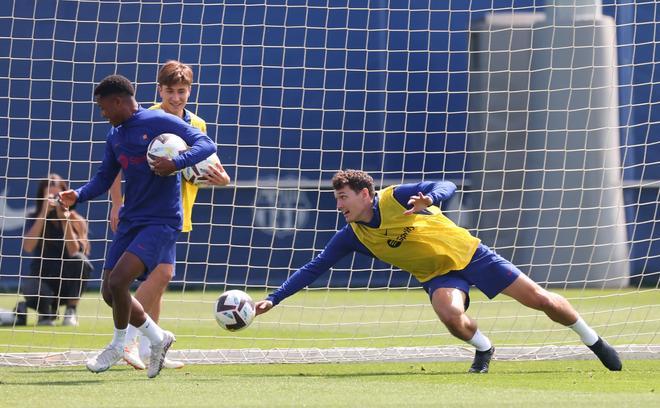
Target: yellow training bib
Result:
[426, 245]
[188, 190]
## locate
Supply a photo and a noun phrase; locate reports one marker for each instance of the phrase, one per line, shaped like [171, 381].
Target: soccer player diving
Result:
[404, 226]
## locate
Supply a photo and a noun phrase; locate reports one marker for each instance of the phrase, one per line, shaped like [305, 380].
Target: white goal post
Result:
[544, 114]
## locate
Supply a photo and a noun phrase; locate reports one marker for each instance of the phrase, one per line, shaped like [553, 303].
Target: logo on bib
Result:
[395, 243]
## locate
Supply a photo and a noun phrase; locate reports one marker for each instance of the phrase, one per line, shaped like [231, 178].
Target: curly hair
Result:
[356, 180]
[114, 85]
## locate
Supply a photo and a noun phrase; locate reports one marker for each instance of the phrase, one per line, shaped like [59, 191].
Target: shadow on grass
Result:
[391, 374]
[72, 383]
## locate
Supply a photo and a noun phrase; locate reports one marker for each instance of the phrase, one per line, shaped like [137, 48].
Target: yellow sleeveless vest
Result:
[426, 245]
[188, 190]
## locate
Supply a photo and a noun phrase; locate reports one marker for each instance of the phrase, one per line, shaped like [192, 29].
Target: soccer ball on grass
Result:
[234, 310]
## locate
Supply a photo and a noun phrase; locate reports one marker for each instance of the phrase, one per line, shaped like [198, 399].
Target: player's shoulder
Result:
[157, 114]
[112, 133]
[344, 234]
[195, 120]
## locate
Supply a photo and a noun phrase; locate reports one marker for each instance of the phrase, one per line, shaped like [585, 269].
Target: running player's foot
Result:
[607, 355]
[158, 352]
[167, 363]
[132, 356]
[481, 361]
[106, 359]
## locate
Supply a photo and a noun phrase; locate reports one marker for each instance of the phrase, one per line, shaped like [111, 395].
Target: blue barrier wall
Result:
[291, 93]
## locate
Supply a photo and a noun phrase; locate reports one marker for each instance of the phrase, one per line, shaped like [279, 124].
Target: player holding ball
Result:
[151, 216]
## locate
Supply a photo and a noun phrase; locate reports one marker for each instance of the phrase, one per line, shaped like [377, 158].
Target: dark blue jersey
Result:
[148, 198]
[345, 241]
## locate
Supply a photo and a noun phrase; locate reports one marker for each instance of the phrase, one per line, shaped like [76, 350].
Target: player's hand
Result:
[68, 198]
[262, 306]
[61, 210]
[217, 176]
[114, 217]
[419, 203]
[163, 166]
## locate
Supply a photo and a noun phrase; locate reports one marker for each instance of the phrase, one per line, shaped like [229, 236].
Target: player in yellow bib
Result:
[404, 226]
[174, 85]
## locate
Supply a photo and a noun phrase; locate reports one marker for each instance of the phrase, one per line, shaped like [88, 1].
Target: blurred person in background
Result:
[57, 240]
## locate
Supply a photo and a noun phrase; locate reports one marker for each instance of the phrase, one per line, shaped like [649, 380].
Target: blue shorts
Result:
[487, 271]
[153, 244]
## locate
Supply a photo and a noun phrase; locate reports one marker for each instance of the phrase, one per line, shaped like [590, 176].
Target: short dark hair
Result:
[114, 85]
[356, 180]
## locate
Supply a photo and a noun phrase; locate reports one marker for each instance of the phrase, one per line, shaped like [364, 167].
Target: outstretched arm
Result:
[337, 248]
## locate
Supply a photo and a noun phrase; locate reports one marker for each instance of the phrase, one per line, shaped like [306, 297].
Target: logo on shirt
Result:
[125, 161]
[395, 243]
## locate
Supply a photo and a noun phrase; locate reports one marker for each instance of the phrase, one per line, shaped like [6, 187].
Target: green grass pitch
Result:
[329, 318]
[545, 384]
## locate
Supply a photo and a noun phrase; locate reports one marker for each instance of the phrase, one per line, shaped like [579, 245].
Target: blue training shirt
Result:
[345, 242]
[148, 198]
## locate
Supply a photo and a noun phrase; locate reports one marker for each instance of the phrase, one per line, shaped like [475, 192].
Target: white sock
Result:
[145, 346]
[586, 333]
[131, 334]
[118, 338]
[150, 329]
[480, 342]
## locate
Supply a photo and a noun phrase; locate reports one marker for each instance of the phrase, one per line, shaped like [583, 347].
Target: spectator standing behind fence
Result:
[57, 240]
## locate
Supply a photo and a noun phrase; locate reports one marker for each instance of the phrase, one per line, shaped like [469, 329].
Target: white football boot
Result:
[158, 352]
[132, 356]
[104, 360]
[174, 364]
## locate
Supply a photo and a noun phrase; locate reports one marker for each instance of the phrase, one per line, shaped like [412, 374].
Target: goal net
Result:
[544, 114]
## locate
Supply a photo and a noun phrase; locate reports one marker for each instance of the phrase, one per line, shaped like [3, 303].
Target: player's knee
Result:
[107, 295]
[163, 276]
[544, 300]
[452, 319]
[117, 282]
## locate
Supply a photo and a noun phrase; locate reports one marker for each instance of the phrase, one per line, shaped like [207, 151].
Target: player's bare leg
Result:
[150, 295]
[137, 348]
[125, 308]
[150, 292]
[530, 294]
[449, 305]
[557, 308]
